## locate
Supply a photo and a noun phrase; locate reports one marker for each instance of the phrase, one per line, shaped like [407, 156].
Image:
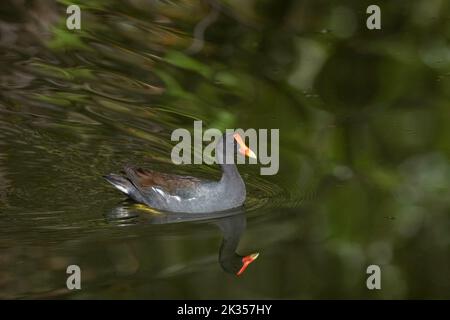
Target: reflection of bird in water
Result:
[177, 193]
[232, 228]
[232, 225]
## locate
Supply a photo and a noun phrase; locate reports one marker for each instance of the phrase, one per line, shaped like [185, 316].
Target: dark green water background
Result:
[364, 119]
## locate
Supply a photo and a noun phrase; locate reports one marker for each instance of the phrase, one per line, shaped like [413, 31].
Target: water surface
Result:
[364, 147]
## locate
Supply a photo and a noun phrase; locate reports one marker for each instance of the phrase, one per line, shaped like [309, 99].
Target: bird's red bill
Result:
[246, 262]
[243, 149]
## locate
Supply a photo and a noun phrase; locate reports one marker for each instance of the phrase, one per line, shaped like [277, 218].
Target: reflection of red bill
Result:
[243, 149]
[246, 262]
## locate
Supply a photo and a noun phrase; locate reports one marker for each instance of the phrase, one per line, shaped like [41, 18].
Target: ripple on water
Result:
[69, 117]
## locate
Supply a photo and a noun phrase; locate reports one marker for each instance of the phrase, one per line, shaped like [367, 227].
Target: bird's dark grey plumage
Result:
[178, 193]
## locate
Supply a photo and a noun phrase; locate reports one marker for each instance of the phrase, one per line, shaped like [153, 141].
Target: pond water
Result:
[364, 176]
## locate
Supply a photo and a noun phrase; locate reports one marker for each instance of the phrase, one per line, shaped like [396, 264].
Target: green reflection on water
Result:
[364, 146]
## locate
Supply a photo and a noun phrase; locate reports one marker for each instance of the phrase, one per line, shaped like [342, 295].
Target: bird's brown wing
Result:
[173, 184]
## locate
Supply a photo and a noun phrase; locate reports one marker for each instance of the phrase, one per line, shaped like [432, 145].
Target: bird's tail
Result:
[120, 182]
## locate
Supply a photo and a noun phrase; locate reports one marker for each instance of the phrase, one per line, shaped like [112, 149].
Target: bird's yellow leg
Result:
[147, 209]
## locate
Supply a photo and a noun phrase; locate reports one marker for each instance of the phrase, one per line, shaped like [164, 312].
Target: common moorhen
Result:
[178, 193]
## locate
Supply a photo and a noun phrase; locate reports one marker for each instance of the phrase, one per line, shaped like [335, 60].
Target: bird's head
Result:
[235, 144]
[237, 264]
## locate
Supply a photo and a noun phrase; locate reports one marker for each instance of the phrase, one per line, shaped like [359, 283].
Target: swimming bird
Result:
[176, 193]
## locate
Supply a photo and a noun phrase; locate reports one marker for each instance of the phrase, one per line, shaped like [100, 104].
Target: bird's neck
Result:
[232, 230]
[230, 173]
[231, 236]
